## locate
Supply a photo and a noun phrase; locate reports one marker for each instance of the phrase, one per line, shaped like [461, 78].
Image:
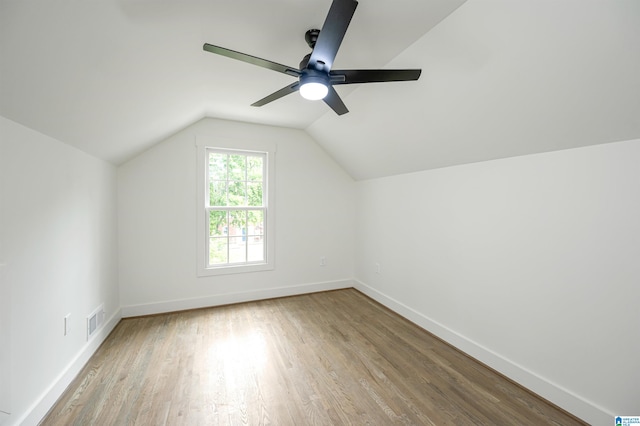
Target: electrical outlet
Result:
[323, 261]
[67, 324]
[377, 267]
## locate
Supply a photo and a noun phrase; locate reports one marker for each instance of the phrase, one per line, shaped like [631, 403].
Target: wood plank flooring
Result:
[334, 358]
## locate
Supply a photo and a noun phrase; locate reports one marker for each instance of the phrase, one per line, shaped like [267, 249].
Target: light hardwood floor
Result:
[334, 358]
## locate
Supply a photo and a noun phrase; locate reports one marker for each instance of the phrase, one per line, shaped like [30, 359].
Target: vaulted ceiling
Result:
[500, 78]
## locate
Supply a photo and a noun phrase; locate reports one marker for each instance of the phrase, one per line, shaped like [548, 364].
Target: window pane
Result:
[237, 193]
[217, 251]
[218, 225]
[237, 249]
[217, 166]
[237, 167]
[256, 248]
[254, 168]
[217, 193]
[255, 222]
[237, 223]
[254, 194]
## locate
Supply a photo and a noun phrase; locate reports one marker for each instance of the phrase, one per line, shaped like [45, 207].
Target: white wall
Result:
[5, 336]
[157, 223]
[58, 240]
[530, 264]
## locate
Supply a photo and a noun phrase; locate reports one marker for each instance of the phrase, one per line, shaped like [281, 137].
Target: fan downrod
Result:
[311, 37]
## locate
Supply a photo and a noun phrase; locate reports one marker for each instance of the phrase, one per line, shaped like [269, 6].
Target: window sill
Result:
[240, 269]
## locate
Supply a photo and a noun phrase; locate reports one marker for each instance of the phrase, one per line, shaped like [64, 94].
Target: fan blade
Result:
[372, 76]
[252, 60]
[333, 100]
[277, 95]
[331, 35]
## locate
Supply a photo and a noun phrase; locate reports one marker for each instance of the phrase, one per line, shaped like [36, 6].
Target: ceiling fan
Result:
[315, 76]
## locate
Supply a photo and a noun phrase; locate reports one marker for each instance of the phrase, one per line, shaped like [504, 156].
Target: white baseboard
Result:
[229, 298]
[41, 407]
[552, 392]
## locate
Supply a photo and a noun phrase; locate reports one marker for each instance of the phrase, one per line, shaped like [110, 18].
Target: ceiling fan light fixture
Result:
[313, 91]
[314, 85]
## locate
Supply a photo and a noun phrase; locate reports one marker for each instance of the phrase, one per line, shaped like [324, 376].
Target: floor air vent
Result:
[95, 321]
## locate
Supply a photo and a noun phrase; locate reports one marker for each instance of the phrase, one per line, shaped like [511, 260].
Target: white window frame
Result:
[265, 148]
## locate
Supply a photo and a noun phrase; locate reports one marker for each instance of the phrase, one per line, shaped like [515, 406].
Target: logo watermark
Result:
[627, 420]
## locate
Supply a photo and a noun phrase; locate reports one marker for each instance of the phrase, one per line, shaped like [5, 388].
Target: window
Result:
[235, 211]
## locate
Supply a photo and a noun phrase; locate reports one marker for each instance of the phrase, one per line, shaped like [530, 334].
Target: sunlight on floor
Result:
[241, 352]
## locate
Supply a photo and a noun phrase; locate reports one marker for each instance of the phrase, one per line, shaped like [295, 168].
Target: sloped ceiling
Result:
[113, 77]
[500, 77]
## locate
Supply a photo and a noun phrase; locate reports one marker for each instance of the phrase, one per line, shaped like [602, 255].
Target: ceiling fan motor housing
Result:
[314, 76]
